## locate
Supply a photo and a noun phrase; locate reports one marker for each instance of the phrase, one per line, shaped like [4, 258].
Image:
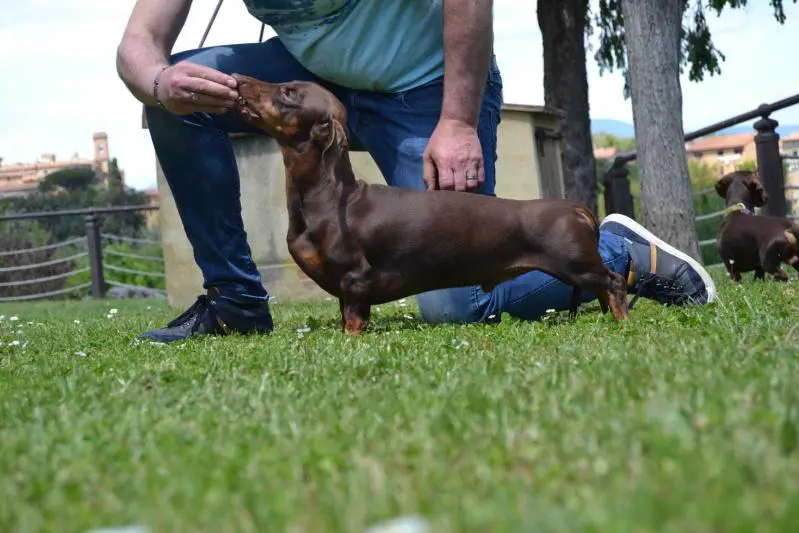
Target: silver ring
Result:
[193, 96]
[471, 178]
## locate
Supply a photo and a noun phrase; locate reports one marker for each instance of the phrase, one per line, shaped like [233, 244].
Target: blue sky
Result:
[59, 83]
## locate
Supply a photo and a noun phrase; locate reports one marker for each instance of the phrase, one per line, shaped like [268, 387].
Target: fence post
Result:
[95, 255]
[618, 198]
[769, 164]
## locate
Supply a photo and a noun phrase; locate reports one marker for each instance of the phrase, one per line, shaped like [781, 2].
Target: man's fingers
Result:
[460, 181]
[474, 175]
[191, 77]
[459, 172]
[429, 173]
[446, 178]
[203, 100]
[211, 88]
[196, 70]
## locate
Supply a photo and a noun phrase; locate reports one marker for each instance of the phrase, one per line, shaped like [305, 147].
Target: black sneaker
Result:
[658, 271]
[213, 315]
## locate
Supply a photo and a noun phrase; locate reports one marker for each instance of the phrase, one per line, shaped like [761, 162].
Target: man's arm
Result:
[145, 51]
[152, 30]
[468, 40]
[453, 158]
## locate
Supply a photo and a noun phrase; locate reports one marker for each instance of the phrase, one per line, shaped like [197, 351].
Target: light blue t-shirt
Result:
[379, 45]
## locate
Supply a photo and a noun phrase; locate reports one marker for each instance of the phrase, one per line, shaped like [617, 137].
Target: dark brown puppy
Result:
[368, 244]
[747, 241]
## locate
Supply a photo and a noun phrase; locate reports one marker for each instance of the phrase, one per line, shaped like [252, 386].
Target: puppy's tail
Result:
[792, 236]
[591, 219]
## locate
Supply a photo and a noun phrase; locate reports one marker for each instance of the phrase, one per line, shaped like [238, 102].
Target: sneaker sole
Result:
[638, 229]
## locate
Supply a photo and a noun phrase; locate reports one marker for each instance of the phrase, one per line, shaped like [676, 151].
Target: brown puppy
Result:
[747, 241]
[368, 244]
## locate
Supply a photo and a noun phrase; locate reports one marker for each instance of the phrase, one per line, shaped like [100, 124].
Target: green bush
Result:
[128, 263]
[23, 235]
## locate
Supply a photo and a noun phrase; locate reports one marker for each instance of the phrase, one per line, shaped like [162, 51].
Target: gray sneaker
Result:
[658, 271]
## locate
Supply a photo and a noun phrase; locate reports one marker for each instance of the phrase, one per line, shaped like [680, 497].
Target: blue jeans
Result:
[197, 159]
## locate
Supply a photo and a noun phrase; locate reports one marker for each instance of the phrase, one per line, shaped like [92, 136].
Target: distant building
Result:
[20, 179]
[790, 145]
[607, 152]
[725, 152]
[790, 151]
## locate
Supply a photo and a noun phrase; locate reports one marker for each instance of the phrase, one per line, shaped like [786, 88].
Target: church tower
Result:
[101, 157]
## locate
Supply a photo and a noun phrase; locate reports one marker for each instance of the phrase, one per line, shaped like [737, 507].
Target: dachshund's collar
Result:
[740, 207]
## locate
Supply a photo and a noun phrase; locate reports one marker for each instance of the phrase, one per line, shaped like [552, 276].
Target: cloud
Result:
[60, 83]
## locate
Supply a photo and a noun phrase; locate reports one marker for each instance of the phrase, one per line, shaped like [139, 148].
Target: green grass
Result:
[682, 420]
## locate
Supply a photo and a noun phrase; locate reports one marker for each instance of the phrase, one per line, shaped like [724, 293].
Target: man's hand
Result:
[187, 87]
[453, 158]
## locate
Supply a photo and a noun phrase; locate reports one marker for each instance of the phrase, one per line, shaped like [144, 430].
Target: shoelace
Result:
[203, 303]
[662, 289]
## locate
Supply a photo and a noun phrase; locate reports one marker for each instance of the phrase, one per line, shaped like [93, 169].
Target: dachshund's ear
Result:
[340, 136]
[329, 131]
[759, 196]
[320, 132]
[723, 184]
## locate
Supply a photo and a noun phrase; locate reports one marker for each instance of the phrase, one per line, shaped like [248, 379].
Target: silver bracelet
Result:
[156, 82]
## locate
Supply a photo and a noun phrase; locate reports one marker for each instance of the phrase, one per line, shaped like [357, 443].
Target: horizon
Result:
[91, 30]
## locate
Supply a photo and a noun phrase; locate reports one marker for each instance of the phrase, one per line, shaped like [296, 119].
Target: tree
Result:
[697, 51]
[562, 27]
[648, 41]
[114, 176]
[653, 52]
[562, 24]
[71, 179]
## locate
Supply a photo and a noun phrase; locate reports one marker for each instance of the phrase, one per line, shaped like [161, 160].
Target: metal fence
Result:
[94, 249]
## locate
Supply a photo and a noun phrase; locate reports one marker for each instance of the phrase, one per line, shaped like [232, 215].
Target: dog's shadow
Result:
[412, 321]
[377, 324]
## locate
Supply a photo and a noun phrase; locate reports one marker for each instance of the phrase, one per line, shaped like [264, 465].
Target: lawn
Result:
[682, 420]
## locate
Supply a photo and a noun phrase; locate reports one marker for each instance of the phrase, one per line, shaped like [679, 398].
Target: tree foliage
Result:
[699, 54]
[608, 140]
[70, 179]
[63, 191]
[114, 176]
[26, 235]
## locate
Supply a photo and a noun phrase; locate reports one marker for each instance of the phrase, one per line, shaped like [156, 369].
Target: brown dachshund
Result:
[367, 244]
[747, 241]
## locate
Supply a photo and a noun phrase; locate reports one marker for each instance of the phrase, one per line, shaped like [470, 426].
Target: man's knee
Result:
[449, 306]
[207, 57]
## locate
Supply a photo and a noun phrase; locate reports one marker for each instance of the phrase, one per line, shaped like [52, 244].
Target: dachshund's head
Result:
[742, 186]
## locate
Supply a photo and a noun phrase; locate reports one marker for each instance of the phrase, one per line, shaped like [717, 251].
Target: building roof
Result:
[720, 142]
[792, 137]
[604, 153]
[45, 165]
[7, 187]
[533, 109]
